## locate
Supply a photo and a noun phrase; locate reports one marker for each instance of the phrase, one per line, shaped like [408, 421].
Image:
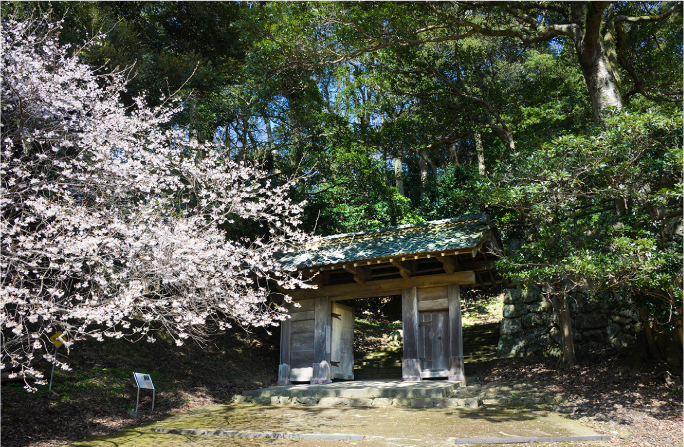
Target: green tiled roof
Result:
[440, 235]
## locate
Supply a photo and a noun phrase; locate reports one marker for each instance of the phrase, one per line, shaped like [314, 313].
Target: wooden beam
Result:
[456, 370]
[358, 272]
[384, 287]
[450, 263]
[360, 276]
[404, 268]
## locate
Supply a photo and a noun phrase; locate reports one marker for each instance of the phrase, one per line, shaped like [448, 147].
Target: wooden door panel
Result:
[433, 342]
[342, 342]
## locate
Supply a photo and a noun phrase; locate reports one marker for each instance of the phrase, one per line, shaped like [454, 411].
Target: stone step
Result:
[420, 402]
[370, 389]
[377, 376]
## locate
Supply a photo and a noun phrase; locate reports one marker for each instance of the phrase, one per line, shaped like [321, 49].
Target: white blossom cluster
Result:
[112, 226]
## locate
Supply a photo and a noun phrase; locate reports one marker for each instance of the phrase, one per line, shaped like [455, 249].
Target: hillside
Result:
[95, 396]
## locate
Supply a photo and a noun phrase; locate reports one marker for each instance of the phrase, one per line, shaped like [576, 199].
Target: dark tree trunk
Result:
[565, 322]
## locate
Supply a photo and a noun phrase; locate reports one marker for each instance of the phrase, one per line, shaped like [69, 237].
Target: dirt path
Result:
[380, 427]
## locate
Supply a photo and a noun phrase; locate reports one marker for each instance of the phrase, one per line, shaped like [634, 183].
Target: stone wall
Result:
[530, 324]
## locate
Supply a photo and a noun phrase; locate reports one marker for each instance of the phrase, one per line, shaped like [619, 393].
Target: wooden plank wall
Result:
[433, 298]
[410, 365]
[322, 336]
[433, 331]
[342, 351]
[301, 347]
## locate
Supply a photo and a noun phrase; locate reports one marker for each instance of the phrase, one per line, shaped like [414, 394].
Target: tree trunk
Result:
[480, 153]
[273, 153]
[399, 175]
[385, 178]
[653, 350]
[600, 83]
[567, 337]
[423, 166]
[453, 154]
[593, 58]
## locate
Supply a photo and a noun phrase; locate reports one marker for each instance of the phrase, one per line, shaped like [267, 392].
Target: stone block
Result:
[422, 403]
[514, 310]
[496, 401]
[590, 321]
[332, 402]
[622, 340]
[612, 330]
[512, 296]
[307, 400]
[555, 335]
[550, 319]
[446, 403]
[401, 402]
[382, 402]
[540, 336]
[532, 320]
[275, 400]
[472, 402]
[619, 319]
[511, 326]
[560, 399]
[532, 294]
[540, 307]
[361, 402]
[510, 346]
[629, 313]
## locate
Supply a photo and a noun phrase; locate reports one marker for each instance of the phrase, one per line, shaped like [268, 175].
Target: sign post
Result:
[57, 340]
[143, 381]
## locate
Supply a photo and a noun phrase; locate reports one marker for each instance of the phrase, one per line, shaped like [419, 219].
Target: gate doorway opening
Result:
[426, 264]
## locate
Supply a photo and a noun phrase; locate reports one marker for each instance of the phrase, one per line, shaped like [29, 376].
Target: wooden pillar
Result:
[285, 344]
[322, 334]
[410, 365]
[456, 371]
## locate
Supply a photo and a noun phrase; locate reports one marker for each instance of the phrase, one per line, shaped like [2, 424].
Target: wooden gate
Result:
[342, 342]
[433, 343]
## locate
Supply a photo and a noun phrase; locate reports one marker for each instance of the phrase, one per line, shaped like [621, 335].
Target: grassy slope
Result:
[94, 397]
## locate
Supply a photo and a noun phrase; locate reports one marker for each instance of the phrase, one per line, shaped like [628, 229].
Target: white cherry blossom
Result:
[113, 225]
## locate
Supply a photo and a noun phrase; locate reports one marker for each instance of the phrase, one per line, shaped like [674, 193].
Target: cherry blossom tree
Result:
[112, 225]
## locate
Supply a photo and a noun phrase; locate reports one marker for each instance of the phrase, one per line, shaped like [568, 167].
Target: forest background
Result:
[562, 121]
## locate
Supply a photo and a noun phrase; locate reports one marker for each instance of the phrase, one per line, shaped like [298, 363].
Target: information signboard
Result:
[143, 381]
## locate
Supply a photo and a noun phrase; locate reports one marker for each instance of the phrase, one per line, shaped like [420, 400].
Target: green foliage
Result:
[596, 205]
[600, 209]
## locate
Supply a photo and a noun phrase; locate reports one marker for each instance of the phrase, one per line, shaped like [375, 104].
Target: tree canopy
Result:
[561, 120]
